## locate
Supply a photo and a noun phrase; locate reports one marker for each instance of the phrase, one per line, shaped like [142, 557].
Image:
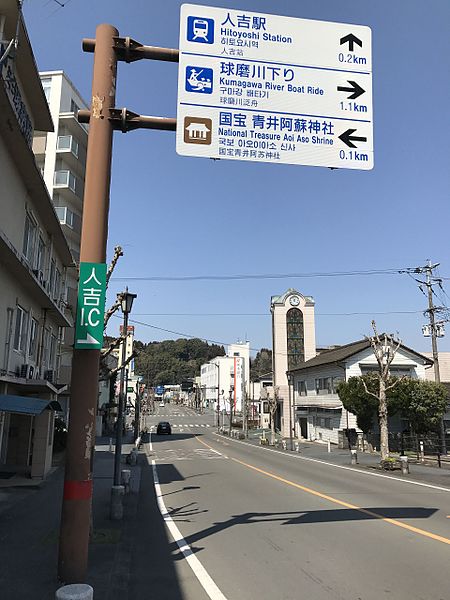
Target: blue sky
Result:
[181, 216]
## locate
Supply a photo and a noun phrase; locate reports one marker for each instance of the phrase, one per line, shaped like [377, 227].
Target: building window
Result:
[301, 388]
[324, 385]
[29, 238]
[20, 332]
[51, 282]
[46, 347]
[40, 256]
[57, 289]
[47, 86]
[327, 423]
[34, 325]
[295, 338]
[52, 357]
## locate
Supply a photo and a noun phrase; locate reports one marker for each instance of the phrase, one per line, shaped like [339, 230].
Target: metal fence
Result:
[425, 446]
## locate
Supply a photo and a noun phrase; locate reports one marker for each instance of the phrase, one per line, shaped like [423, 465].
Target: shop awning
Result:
[26, 405]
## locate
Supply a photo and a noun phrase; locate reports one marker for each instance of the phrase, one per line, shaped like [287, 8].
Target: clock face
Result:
[294, 300]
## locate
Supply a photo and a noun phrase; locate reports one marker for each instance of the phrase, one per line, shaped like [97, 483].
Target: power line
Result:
[265, 314]
[252, 276]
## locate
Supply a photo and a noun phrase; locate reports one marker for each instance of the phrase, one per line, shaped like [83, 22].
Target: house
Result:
[34, 259]
[317, 412]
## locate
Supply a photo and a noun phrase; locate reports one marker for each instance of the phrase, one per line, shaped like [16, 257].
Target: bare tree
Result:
[384, 347]
[273, 405]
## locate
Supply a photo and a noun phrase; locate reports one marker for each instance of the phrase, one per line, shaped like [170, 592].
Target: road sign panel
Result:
[274, 89]
[91, 306]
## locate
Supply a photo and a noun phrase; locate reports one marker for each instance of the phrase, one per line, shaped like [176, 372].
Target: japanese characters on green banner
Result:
[91, 306]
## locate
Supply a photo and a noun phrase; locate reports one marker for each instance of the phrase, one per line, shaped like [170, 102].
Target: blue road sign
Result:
[159, 390]
[199, 79]
[200, 30]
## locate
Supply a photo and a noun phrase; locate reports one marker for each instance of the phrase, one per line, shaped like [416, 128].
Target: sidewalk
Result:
[127, 559]
[430, 474]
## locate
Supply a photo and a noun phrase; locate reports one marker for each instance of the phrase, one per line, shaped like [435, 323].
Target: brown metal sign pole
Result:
[76, 506]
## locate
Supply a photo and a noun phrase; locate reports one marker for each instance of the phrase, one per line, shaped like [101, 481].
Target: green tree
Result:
[423, 403]
[261, 364]
[172, 361]
[357, 401]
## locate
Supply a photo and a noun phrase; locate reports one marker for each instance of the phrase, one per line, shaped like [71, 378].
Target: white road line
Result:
[200, 572]
[150, 442]
[324, 462]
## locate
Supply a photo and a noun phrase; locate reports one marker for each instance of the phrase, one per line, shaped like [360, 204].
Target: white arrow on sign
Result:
[89, 340]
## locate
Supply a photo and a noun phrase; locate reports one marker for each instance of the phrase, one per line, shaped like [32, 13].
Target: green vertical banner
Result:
[91, 306]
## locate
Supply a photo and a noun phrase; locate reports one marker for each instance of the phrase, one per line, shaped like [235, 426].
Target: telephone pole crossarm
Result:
[125, 120]
[128, 50]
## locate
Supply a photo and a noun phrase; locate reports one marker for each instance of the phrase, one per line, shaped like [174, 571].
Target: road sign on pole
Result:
[91, 306]
[276, 89]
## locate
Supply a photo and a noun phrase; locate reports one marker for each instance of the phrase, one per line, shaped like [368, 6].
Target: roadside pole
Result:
[76, 505]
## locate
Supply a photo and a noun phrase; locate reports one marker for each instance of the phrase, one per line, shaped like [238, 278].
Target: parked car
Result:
[162, 404]
[163, 427]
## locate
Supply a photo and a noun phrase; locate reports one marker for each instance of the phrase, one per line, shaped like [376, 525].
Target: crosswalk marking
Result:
[174, 425]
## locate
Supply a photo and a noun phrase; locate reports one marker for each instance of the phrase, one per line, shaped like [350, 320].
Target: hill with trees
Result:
[173, 361]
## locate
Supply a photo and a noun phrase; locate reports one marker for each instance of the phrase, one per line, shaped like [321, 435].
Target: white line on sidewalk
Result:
[200, 572]
[324, 462]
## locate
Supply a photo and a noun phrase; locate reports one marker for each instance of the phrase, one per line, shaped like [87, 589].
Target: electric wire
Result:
[261, 276]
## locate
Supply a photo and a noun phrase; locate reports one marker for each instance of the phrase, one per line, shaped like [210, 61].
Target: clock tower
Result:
[293, 342]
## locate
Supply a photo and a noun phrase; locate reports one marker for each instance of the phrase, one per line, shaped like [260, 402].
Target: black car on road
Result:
[163, 427]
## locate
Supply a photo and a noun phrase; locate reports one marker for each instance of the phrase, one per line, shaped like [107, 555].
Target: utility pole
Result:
[78, 481]
[137, 411]
[432, 316]
[434, 329]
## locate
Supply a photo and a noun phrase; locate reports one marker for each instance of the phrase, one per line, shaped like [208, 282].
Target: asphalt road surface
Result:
[254, 524]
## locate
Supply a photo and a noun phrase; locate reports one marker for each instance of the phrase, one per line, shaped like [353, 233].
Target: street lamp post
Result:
[126, 303]
[218, 394]
[291, 439]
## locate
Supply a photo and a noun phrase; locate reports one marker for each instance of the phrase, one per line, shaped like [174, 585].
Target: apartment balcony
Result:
[70, 122]
[68, 149]
[69, 186]
[70, 222]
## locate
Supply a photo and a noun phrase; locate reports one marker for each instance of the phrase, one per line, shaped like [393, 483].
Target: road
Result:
[264, 525]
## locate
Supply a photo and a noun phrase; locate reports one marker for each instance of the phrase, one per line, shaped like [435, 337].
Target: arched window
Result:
[295, 338]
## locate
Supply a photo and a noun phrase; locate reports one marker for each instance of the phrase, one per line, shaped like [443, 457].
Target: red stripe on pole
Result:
[78, 490]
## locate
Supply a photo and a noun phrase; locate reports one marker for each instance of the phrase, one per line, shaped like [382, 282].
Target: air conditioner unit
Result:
[48, 375]
[24, 371]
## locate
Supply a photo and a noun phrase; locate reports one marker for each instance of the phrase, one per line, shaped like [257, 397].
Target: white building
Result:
[61, 157]
[34, 259]
[317, 412]
[226, 379]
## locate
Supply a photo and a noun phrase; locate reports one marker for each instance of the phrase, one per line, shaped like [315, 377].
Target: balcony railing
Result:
[67, 143]
[65, 179]
[65, 215]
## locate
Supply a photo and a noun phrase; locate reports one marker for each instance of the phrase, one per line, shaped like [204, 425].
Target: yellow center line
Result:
[308, 490]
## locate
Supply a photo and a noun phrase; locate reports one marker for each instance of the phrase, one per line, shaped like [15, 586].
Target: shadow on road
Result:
[174, 437]
[314, 516]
